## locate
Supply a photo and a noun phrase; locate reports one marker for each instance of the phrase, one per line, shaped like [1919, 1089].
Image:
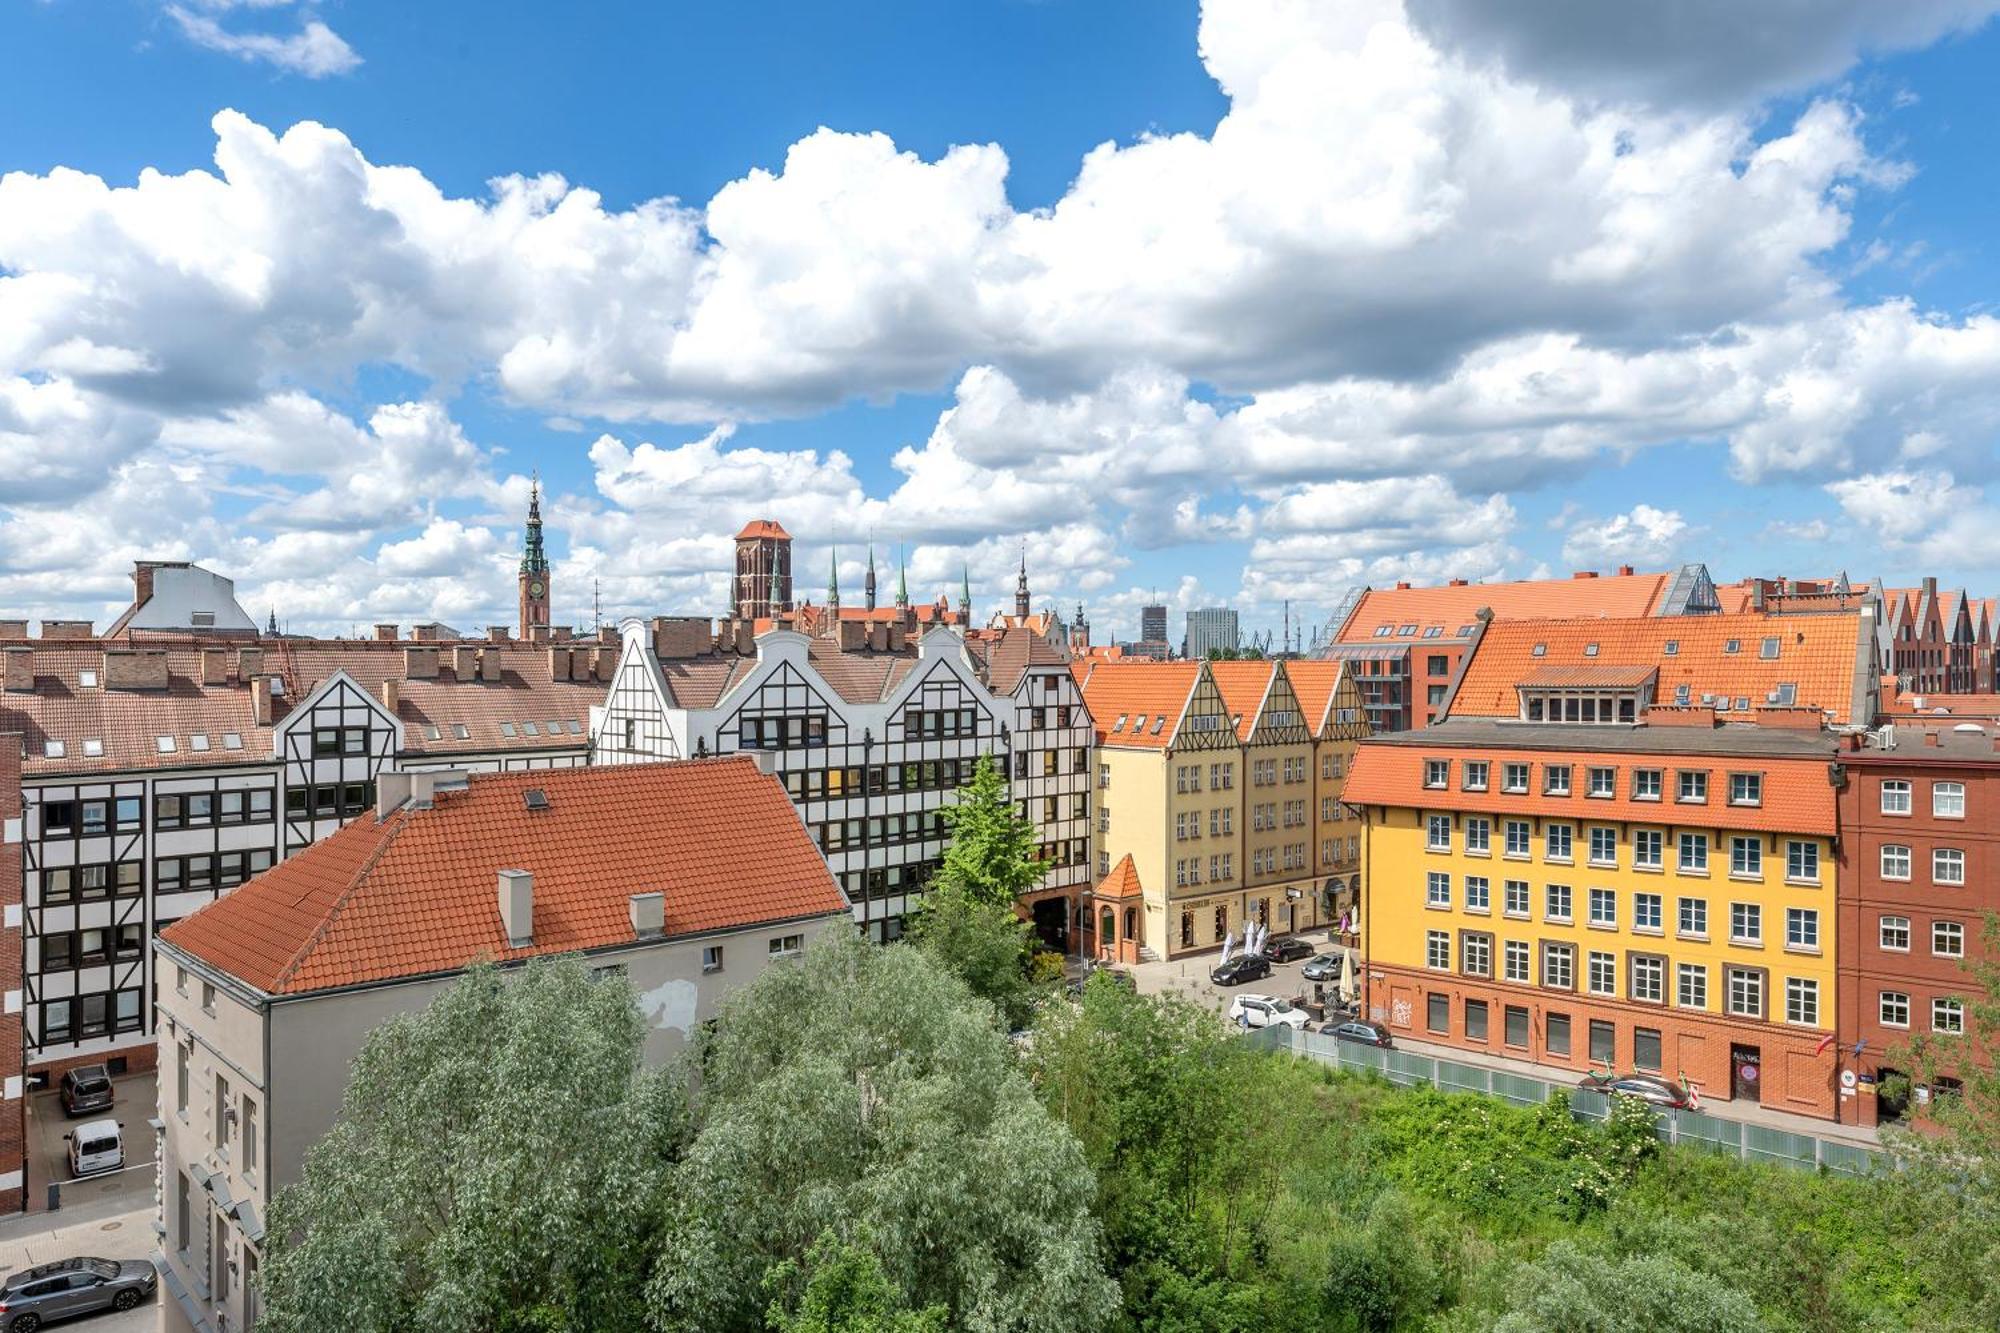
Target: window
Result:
[1557, 837]
[1895, 861]
[220, 1107]
[1437, 950]
[1948, 1015]
[1746, 789]
[1555, 1033]
[1894, 1009]
[1801, 1000]
[1559, 966]
[1603, 846]
[1646, 913]
[1475, 954]
[1603, 907]
[1514, 778]
[1947, 865]
[1693, 918]
[1475, 1020]
[1603, 1042]
[1473, 774]
[1693, 788]
[1437, 773]
[1646, 784]
[1647, 848]
[1478, 897]
[1802, 861]
[1603, 782]
[1948, 800]
[1439, 831]
[1478, 836]
[1745, 992]
[1896, 933]
[1895, 797]
[1603, 974]
[1746, 923]
[1437, 1013]
[1646, 1049]
[1694, 854]
[1516, 903]
[1556, 903]
[1649, 978]
[1948, 939]
[1437, 889]
[788, 946]
[1691, 986]
[1746, 857]
[1802, 928]
[1555, 779]
[1515, 958]
[711, 958]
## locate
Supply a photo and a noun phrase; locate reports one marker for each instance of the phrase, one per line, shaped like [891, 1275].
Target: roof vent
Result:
[517, 907]
[649, 915]
[535, 798]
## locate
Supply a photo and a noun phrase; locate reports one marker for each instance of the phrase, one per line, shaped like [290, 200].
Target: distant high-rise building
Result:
[1153, 624]
[1210, 628]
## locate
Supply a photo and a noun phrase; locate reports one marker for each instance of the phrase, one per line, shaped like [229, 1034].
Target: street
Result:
[27, 1240]
[48, 1150]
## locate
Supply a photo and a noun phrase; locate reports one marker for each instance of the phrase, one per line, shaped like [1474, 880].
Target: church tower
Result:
[534, 570]
[868, 584]
[1021, 586]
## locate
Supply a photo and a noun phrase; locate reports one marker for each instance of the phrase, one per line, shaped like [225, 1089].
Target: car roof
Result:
[95, 1128]
[1262, 999]
[50, 1269]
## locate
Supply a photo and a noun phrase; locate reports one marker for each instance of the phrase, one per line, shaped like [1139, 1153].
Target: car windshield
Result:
[104, 1268]
[88, 1146]
[92, 1083]
[1282, 1006]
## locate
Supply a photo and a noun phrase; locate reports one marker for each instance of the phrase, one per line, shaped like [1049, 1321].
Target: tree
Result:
[992, 850]
[863, 1091]
[494, 1166]
[1571, 1288]
[840, 1288]
[986, 945]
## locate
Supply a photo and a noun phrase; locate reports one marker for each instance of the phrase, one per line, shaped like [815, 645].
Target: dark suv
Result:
[86, 1090]
[38, 1296]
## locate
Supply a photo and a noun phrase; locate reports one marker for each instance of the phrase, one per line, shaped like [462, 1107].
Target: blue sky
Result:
[1348, 297]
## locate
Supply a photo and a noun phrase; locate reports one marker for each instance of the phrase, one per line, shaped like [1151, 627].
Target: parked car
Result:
[85, 1089]
[37, 1296]
[1647, 1088]
[94, 1146]
[1242, 968]
[1265, 1011]
[1362, 1032]
[1287, 949]
[1322, 967]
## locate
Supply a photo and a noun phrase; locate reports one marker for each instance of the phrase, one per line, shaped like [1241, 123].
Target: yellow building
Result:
[1336, 712]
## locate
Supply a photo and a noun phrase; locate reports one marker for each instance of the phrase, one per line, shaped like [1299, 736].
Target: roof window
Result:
[1539, 650]
[459, 731]
[1786, 694]
[52, 749]
[1159, 724]
[232, 740]
[277, 687]
[1406, 631]
[530, 729]
[535, 798]
[1382, 631]
[1768, 650]
[165, 744]
[507, 729]
[1671, 648]
[198, 741]
[1434, 631]
[1467, 631]
[1730, 647]
[575, 727]
[87, 679]
[93, 747]
[1590, 650]
[555, 728]
[431, 732]
[1119, 725]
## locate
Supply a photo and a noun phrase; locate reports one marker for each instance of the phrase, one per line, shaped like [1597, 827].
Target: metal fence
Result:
[1705, 1133]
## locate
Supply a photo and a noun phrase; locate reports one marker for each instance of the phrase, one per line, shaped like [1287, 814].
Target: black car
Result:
[86, 1090]
[38, 1296]
[1287, 949]
[1362, 1032]
[1242, 968]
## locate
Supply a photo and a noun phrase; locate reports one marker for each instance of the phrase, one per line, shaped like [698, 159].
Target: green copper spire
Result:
[902, 581]
[964, 593]
[868, 584]
[533, 561]
[833, 580]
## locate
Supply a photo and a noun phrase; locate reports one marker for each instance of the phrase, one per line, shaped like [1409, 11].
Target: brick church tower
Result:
[763, 585]
[534, 572]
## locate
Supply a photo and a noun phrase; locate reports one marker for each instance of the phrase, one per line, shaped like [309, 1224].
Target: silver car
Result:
[67, 1287]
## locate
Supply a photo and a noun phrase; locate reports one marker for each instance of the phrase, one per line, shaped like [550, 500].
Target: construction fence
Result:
[1734, 1138]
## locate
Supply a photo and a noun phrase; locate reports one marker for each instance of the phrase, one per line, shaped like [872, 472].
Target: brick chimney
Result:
[20, 676]
[392, 694]
[1931, 739]
[1625, 571]
[489, 664]
[496, 634]
[1584, 574]
[517, 907]
[561, 662]
[13, 629]
[215, 666]
[135, 669]
[465, 662]
[852, 635]
[603, 662]
[249, 662]
[420, 663]
[66, 629]
[260, 700]
[649, 915]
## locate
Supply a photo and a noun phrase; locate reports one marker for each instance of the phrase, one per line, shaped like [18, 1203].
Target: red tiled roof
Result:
[763, 527]
[1585, 677]
[1142, 692]
[415, 894]
[1011, 652]
[1122, 882]
[1454, 607]
[1243, 686]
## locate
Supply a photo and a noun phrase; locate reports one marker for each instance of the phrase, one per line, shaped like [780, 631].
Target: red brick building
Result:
[1919, 868]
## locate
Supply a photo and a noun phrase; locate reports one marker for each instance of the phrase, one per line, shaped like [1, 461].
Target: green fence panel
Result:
[1847, 1160]
[1585, 1104]
[1518, 1090]
[1761, 1144]
[1455, 1077]
[1409, 1070]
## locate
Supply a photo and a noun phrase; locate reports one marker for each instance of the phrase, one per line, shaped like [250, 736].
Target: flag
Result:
[1824, 1042]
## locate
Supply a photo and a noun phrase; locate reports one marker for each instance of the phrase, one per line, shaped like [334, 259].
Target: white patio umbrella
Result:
[1347, 976]
[1228, 946]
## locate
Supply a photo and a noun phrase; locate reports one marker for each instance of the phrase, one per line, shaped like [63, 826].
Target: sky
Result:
[1246, 302]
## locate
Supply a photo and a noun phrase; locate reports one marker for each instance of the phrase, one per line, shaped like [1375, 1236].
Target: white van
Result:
[95, 1146]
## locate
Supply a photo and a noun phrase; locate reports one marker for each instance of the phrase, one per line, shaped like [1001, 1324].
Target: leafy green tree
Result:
[865, 1091]
[991, 855]
[1571, 1290]
[494, 1166]
[840, 1288]
[985, 944]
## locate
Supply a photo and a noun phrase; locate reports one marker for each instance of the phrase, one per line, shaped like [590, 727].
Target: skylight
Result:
[87, 679]
[458, 729]
[93, 747]
[165, 744]
[198, 741]
[232, 740]
[52, 749]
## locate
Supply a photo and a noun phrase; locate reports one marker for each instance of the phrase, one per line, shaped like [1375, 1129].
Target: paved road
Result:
[48, 1151]
[29, 1240]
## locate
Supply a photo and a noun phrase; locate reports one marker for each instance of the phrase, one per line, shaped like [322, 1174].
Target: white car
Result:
[1263, 1011]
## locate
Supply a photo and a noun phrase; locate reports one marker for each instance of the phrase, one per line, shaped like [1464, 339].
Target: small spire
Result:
[533, 559]
[272, 628]
[1021, 585]
[868, 584]
[902, 581]
[833, 583]
[964, 593]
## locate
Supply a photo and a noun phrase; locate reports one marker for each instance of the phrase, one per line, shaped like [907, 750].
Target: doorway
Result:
[1745, 1073]
[1052, 923]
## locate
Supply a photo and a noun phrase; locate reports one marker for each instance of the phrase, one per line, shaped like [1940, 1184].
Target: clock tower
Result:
[534, 571]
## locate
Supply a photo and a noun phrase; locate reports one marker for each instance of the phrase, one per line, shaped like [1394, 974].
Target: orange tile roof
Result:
[415, 894]
[1455, 607]
[1585, 677]
[1937, 706]
[1796, 795]
[1122, 882]
[1147, 691]
[1012, 651]
[1315, 681]
[1243, 686]
[763, 527]
[1819, 654]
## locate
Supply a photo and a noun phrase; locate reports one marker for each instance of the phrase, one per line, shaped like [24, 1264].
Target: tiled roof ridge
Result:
[348, 892]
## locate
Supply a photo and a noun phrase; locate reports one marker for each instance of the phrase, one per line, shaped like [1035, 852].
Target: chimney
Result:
[142, 581]
[538, 634]
[20, 670]
[215, 666]
[489, 664]
[391, 790]
[649, 915]
[1402, 585]
[392, 694]
[249, 662]
[66, 629]
[607, 634]
[13, 629]
[1931, 739]
[892, 636]
[1625, 571]
[746, 637]
[603, 662]
[420, 663]
[465, 662]
[1455, 583]
[853, 635]
[560, 660]
[1584, 574]
[878, 637]
[425, 633]
[496, 634]
[260, 700]
[385, 633]
[1930, 587]
[1756, 594]
[517, 907]
[135, 669]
